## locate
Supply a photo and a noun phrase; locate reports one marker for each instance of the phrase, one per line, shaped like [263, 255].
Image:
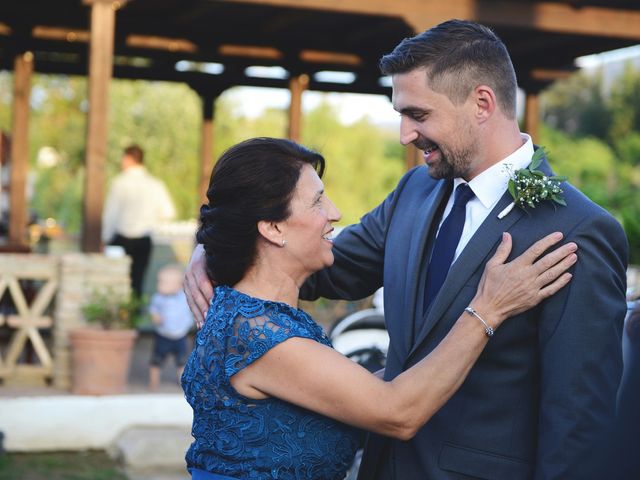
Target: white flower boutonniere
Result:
[529, 186]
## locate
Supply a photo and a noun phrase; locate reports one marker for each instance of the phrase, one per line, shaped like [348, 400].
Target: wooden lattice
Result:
[24, 325]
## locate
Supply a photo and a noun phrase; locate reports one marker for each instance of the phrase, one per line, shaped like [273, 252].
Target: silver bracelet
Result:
[487, 329]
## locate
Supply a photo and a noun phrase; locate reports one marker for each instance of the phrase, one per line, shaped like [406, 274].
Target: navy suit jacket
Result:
[544, 388]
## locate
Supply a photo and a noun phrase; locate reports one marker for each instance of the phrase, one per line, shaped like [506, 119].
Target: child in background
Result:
[173, 321]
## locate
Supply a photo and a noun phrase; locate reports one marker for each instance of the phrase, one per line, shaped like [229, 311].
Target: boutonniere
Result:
[529, 186]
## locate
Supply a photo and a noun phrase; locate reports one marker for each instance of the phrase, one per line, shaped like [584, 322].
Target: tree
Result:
[165, 120]
[364, 162]
[361, 167]
[600, 151]
[577, 106]
[593, 166]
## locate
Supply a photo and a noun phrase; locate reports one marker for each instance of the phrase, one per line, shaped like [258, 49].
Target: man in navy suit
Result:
[544, 389]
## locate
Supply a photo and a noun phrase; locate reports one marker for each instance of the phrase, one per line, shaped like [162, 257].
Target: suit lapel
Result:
[417, 261]
[473, 256]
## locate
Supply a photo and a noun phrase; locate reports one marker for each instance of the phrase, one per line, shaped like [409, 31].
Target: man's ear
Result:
[271, 232]
[485, 102]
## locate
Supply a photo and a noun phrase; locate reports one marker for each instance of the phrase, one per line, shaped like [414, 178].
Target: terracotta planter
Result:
[100, 360]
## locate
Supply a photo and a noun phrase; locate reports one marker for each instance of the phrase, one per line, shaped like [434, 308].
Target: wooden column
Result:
[100, 73]
[413, 156]
[297, 85]
[206, 147]
[532, 116]
[23, 69]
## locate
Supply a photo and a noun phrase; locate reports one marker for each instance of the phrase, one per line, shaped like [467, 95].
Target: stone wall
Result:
[81, 274]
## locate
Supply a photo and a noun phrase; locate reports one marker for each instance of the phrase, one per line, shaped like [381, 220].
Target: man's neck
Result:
[499, 142]
[132, 167]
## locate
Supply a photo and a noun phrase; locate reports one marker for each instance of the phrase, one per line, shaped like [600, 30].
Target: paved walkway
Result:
[148, 432]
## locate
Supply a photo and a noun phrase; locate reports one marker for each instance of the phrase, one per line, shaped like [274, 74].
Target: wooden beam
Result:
[250, 51]
[363, 84]
[316, 56]
[63, 34]
[161, 43]
[545, 16]
[297, 86]
[532, 116]
[370, 7]
[100, 72]
[5, 29]
[561, 18]
[23, 70]
[546, 74]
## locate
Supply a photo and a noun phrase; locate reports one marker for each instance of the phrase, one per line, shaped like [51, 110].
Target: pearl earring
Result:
[284, 242]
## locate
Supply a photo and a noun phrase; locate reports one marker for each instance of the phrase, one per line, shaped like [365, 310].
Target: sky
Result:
[253, 101]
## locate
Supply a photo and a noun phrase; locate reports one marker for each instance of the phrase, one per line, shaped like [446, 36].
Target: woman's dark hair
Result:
[252, 181]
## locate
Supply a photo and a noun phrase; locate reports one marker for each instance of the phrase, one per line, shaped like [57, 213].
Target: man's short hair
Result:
[135, 152]
[458, 56]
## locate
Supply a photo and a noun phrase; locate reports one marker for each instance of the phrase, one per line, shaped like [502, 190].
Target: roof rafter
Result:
[549, 16]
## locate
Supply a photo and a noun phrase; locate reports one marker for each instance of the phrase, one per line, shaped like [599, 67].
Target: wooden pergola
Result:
[177, 40]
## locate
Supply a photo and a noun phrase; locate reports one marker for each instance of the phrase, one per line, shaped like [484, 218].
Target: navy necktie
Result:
[446, 243]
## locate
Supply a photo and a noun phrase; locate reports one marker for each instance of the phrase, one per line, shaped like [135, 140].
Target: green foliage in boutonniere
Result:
[529, 186]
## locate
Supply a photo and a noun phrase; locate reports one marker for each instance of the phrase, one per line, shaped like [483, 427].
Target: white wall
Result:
[68, 422]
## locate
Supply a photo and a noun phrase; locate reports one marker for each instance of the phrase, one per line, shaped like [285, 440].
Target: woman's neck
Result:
[269, 284]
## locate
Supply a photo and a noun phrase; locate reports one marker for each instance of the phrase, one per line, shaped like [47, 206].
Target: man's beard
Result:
[453, 162]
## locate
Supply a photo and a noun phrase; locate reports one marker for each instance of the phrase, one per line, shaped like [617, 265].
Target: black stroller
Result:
[362, 336]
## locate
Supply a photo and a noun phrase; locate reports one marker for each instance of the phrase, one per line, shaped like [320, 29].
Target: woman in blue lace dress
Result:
[271, 399]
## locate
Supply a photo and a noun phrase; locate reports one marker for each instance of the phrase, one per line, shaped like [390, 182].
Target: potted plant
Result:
[101, 352]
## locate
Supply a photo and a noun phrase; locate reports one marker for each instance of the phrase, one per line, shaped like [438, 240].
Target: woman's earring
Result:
[284, 242]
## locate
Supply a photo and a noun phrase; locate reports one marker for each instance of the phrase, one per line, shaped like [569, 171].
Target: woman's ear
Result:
[271, 232]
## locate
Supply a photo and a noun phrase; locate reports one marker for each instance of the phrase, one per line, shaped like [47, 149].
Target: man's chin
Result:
[440, 173]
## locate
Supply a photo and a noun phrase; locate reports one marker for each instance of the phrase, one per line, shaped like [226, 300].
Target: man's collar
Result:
[491, 184]
[135, 169]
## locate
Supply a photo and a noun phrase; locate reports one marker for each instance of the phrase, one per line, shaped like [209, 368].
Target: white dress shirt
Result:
[488, 187]
[136, 203]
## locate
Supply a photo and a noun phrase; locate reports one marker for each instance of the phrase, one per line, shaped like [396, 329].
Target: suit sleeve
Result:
[357, 270]
[580, 351]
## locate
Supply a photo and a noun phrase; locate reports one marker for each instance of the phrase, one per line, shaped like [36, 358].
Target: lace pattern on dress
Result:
[256, 439]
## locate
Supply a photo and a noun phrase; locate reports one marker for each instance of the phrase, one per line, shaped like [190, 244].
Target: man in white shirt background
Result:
[136, 202]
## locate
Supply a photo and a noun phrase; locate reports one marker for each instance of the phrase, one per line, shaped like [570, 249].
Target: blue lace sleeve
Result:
[254, 333]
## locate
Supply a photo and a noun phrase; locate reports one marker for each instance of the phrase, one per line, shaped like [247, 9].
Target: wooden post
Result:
[206, 148]
[413, 156]
[297, 85]
[532, 116]
[23, 69]
[100, 73]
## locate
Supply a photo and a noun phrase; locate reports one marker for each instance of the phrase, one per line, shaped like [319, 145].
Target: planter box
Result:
[100, 360]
